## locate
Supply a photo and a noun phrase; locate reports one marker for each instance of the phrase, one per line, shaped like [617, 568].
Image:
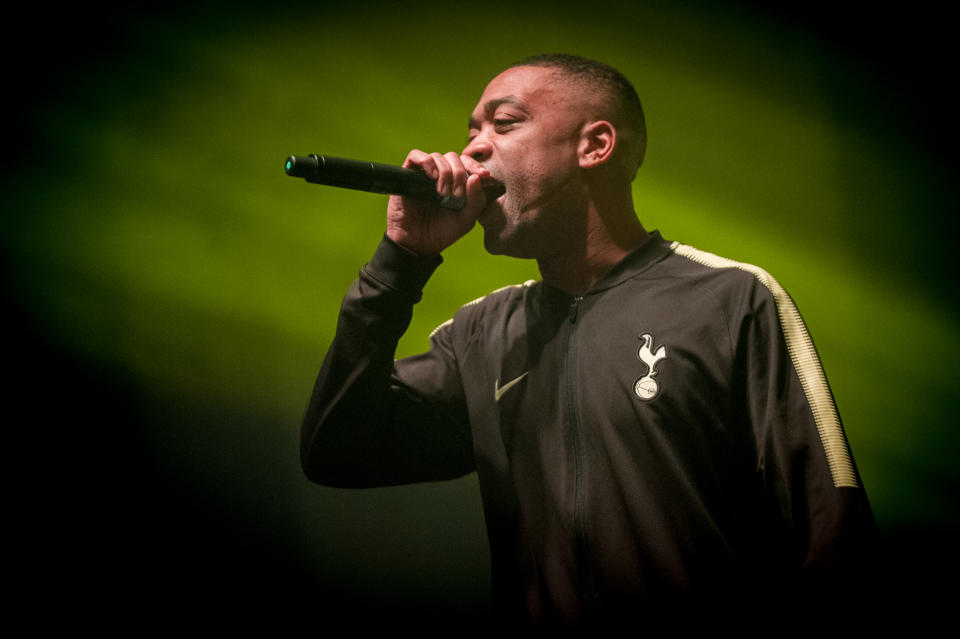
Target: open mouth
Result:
[493, 189]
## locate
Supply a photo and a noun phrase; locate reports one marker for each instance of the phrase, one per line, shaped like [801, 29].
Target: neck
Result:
[612, 231]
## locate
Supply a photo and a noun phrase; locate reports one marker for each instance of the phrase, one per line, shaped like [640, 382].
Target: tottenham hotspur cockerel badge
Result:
[647, 387]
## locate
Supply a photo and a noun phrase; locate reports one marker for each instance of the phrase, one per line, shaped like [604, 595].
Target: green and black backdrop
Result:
[169, 292]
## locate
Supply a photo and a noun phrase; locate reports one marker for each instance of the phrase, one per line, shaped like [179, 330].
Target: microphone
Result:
[376, 178]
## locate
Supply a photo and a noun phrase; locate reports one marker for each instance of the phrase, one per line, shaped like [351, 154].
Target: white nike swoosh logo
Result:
[499, 390]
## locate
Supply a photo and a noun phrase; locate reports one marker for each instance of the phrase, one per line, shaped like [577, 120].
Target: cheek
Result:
[530, 167]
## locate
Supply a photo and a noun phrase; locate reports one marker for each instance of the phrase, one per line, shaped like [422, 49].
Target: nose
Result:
[478, 148]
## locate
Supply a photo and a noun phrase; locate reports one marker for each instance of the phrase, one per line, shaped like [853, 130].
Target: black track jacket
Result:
[668, 438]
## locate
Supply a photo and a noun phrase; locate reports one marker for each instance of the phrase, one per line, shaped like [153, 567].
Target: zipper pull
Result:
[575, 308]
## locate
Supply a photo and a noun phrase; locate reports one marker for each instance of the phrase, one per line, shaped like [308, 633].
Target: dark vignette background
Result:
[166, 307]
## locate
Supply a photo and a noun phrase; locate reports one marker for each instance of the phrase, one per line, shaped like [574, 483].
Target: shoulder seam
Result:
[806, 363]
[476, 301]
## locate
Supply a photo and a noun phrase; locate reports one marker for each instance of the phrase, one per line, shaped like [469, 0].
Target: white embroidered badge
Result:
[646, 387]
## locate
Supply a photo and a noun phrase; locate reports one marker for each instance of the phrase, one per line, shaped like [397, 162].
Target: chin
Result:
[505, 244]
[492, 243]
[513, 235]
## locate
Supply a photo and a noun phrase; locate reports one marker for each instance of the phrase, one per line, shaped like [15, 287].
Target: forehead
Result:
[529, 87]
[518, 81]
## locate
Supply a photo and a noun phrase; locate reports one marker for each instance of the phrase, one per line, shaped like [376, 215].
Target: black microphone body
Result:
[375, 178]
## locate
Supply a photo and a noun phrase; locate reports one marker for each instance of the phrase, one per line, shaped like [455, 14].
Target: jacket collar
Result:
[654, 249]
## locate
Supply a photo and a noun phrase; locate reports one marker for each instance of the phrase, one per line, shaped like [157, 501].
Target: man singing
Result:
[650, 423]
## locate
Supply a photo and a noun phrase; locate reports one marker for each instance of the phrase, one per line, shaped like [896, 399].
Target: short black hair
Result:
[631, 125]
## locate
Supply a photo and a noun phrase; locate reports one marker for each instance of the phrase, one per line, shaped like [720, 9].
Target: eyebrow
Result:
[491, 105]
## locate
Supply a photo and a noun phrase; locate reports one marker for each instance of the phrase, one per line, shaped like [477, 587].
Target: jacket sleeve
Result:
[372, 421]
[812, 487]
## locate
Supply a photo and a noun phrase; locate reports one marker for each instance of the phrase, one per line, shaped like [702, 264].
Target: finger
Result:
[476, 198]
[458, 174]
[474, 167]
[417, 159]
[444, 174]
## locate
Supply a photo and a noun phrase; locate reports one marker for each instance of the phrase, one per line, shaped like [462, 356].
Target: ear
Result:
[597, 141]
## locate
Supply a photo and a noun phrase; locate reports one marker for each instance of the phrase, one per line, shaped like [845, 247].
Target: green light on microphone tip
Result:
[289, 165]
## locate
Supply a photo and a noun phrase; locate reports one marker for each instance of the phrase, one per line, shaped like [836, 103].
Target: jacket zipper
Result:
[574, 428]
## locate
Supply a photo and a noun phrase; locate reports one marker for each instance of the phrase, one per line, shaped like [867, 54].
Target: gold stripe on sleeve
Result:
[805, 361]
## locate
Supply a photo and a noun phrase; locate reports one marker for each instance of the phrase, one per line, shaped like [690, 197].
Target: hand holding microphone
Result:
[376, 178]
[424, 184]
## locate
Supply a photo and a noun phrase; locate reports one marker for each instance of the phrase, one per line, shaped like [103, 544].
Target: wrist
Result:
[402, 240]
[407, 242]
[400, 268]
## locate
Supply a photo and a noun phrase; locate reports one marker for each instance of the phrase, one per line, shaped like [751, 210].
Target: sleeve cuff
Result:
[400, 269]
